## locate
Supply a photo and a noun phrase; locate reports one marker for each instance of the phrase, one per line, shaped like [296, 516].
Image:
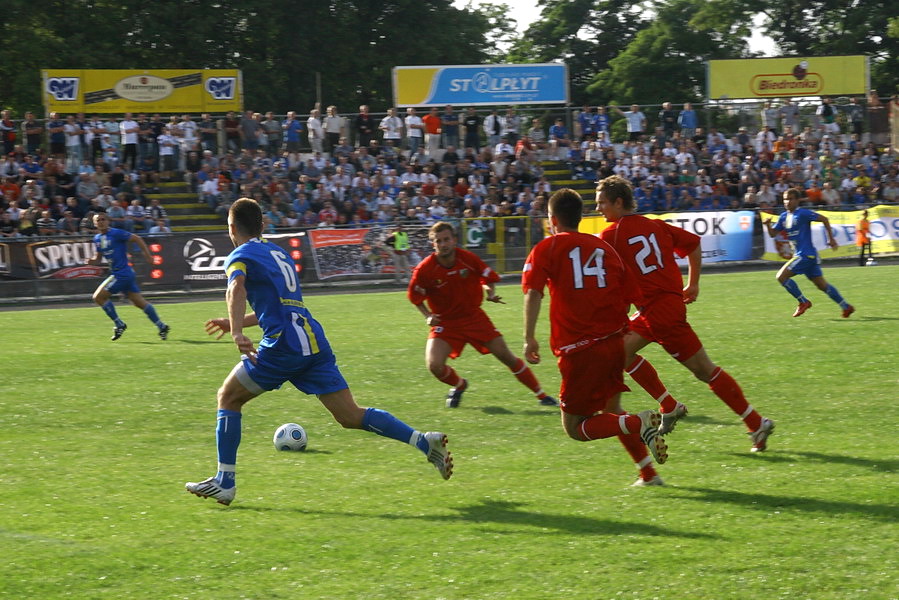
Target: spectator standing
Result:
[855, 114]
[789, 116]
[827, 115]
[450, 126]
[73, 144]
[668, 120]
[334, 127]
[56, 129]
[128, 130]
[636, 122]
[209, 134]
[472, 123]
[315, 131]
[231, 125]
[493, 127]
[433, 128]
[687, 121]
[31, 133]
[7, 132]
[511, 126]
[364, 124]
[249, 131]
[770, 116]
[415, 130]
[391, 128]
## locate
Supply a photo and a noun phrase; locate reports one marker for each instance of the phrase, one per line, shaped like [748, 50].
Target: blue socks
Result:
[227, 439]
[834, 295]
[792, 287]
[109, 309]
[385, 424]
[151, 314]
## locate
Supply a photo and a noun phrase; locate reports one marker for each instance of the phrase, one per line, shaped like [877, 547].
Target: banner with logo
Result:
[725, 235]
[185, 260]
[468, 85]
[787, 77]
[884, 233]
[350, 252]
[104, 91]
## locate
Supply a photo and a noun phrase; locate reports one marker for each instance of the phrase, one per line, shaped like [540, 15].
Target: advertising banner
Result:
[349, 252]
[184, 260]
[725, 235]
[104, 91]
[470, 85]
[787, 77]
[884, 233]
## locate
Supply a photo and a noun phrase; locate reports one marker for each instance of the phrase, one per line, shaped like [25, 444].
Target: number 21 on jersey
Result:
[650, 246]
[591, 267]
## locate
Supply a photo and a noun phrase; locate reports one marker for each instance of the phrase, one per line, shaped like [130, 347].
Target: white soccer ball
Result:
[290, 437]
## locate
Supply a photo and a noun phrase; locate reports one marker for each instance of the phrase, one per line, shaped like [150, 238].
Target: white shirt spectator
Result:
[124, 126]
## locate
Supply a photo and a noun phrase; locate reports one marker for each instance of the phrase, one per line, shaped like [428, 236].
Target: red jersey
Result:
[648, 247]
[454, 292]
[590, 288]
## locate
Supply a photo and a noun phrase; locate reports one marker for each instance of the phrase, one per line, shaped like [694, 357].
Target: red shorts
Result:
[477, 330]
[590, 377]
[664, 321]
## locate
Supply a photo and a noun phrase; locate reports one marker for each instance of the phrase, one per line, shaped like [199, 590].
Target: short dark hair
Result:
[617, 187]
[793, 194]
[246, 214]
[567, 207]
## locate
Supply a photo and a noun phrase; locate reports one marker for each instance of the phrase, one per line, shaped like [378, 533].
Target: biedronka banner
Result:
[106, 91]
[787, 77]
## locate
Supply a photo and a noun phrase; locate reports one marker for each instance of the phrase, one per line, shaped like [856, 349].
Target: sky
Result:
[526, 12]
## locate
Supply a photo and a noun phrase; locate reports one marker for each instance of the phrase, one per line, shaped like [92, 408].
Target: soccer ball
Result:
[290, 437]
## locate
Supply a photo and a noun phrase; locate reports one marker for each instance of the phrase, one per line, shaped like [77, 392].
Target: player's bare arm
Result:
[694, 269]
[430, 318]
[831, 241]
[222, 325]
[136, 239]
[236, 298]
[490, 289]
[532, 301]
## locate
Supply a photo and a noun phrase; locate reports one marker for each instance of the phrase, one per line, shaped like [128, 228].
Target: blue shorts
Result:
[810, 266]
[316, 374]
[121, 284]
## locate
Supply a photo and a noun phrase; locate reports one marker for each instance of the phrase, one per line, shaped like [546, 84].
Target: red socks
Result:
[642, 371]
[725, 387]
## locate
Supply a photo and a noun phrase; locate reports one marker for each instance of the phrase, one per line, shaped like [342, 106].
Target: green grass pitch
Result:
[98, 439]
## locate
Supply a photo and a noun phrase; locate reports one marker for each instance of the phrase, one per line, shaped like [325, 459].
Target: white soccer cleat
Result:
[648, 482]
[649, 433]
[760, 435]
[669, 420]
[210, 488]
[438, 455]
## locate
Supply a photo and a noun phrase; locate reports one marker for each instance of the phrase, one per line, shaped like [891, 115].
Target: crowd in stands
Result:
[330, 170]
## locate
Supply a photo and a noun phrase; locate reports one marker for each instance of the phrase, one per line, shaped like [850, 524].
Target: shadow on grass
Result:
[512, 513]
[879, 466]
[496, 410]
[765, 502]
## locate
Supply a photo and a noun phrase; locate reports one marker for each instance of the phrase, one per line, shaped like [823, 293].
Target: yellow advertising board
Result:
[787, 77]
[104, 91]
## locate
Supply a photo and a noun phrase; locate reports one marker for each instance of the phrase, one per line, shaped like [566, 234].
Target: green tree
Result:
[816, 28]
[585, 34]
[666, 60]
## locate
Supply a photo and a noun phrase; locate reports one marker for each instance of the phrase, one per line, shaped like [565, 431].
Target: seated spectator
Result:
[69, 224]
[160, 228]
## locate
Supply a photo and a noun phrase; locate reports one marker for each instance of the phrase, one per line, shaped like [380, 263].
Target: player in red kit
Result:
[448, 288]
[648, 247]
[590, 293]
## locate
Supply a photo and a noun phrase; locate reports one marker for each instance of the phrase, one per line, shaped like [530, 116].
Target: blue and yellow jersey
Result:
[273, 290]
[113, 246]
[798, 226]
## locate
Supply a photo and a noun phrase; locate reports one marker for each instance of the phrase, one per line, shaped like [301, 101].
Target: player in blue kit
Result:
[112, 244]
[293, 348]
[797, 222]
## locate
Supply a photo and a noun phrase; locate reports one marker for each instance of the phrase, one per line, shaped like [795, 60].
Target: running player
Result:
[293, 348]
[452, 281]
[797, 222]
[648, 247]
[590, 290]
[112, 244]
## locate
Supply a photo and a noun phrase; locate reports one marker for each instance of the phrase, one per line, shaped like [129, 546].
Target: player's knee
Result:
[436, 369]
